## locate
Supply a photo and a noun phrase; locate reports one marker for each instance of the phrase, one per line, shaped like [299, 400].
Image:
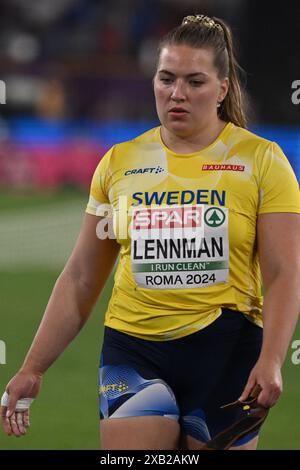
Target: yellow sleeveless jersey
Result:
[187, 228]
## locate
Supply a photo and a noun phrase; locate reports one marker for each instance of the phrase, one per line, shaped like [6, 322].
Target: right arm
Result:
[73, 297]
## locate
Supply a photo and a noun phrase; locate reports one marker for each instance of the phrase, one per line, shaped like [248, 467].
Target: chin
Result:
[180, 129]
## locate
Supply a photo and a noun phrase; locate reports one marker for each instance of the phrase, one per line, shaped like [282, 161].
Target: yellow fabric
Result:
[259, 180]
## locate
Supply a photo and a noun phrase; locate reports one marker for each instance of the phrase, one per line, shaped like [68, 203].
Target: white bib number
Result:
[179, 247]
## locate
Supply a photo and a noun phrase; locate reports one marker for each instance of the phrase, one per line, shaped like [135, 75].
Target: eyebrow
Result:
[189, 75]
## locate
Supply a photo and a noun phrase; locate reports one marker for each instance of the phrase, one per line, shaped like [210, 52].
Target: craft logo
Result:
[223, 167]
[2, 352]
[116, 387]
[140, 171]
[2, 92]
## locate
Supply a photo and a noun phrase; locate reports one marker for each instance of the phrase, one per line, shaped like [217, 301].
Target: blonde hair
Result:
[201, 31]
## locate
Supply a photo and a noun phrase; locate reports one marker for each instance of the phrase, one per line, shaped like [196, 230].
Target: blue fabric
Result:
[187, 379]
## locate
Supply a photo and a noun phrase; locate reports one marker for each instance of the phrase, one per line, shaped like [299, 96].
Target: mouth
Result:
[177, 111]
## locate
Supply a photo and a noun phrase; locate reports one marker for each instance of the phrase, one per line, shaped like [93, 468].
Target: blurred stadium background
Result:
[78, 79]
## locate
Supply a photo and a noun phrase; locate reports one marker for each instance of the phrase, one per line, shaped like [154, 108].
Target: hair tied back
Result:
[202, 20]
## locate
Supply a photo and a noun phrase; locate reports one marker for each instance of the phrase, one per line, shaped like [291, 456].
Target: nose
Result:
[178, 91]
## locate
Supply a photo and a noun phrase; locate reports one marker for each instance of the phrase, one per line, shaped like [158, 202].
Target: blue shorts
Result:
[186, 379]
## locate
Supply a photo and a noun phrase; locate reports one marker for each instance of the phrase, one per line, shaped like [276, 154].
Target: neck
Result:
[195, 142]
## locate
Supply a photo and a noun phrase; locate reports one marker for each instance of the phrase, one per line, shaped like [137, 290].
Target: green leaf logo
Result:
[214, 217]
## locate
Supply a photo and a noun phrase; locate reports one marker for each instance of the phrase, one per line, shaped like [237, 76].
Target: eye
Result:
[166, 81]
[196, 83]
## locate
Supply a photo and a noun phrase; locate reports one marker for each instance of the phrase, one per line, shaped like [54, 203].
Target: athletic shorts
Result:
[186, 379]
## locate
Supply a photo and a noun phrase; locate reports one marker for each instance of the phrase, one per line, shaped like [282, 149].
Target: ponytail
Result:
[233, 107]
[213, 33]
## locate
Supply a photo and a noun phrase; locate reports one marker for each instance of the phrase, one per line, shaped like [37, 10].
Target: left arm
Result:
[278, 236]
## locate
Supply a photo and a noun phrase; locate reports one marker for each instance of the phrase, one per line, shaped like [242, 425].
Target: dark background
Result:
[99, 55]
[78, 79]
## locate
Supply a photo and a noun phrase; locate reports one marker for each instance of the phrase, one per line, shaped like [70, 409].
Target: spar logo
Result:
[214, 217]
[139, 171]
[168, 218]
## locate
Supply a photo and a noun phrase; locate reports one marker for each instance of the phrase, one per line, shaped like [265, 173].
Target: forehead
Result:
[182, 58]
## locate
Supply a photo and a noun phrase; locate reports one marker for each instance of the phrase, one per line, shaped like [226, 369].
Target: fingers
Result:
[16, 400]
[266, 375]
[16, 424]
[269, 395]
[5, 421]
[248, 389]
[11, 407]
[26, 419]
[20, 422]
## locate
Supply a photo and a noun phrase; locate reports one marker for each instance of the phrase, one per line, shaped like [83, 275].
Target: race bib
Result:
[179, 247]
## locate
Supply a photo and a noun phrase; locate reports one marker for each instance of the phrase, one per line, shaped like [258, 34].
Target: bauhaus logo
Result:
[223, 167]
[140, 171]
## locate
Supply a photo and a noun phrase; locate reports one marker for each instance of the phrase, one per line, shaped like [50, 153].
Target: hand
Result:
[267, 374]
[22, 385]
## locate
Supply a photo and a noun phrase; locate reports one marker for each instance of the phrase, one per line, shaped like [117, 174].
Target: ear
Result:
[224, 86]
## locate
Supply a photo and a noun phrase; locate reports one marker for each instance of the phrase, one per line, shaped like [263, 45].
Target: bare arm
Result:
[279, 252]
[73, 296]
[69, 307]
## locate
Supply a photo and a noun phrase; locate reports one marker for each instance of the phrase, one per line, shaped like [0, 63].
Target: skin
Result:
[81, 282]
[186, 77]
[68, 309]
[278, 247]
